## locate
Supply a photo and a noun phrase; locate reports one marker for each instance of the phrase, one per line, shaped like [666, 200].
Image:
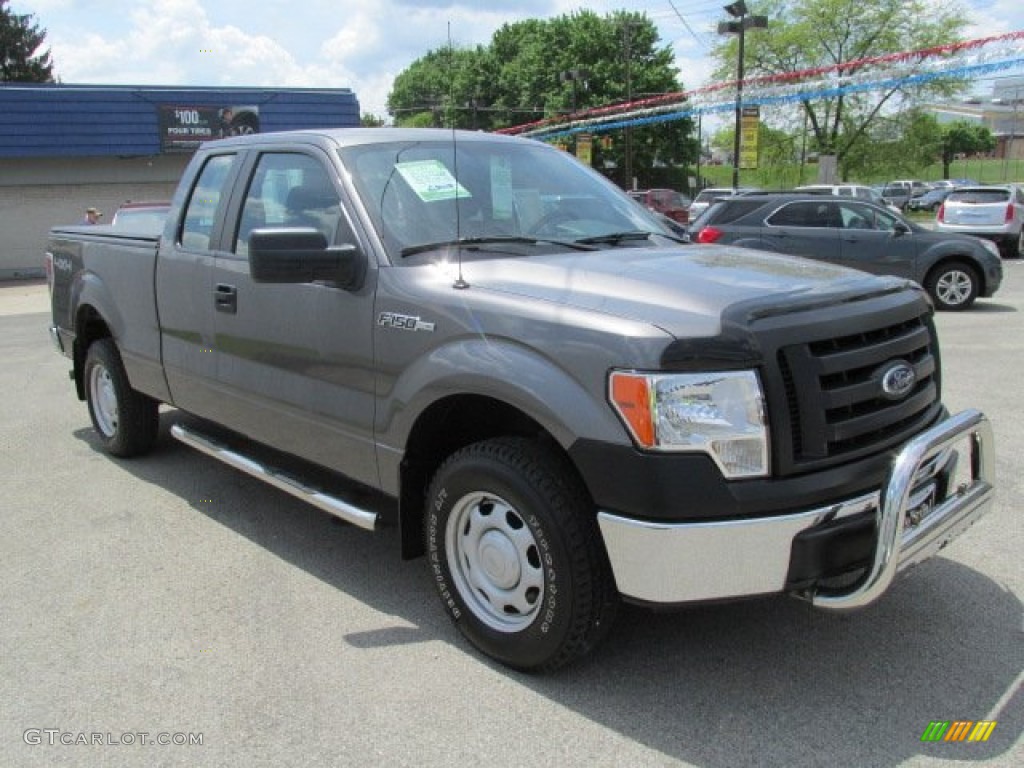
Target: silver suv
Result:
[900, 193]
[995, 213]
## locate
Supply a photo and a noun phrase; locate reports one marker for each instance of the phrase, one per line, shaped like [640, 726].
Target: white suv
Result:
[707, 196]
[859, 191]
[993, 212]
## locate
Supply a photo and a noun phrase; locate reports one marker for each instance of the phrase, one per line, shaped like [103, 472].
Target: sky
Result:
[357, 44]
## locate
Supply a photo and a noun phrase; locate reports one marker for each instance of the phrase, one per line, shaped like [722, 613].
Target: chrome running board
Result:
[332, 504]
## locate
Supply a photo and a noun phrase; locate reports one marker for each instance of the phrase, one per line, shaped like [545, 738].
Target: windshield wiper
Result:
[496, 240]
[618, 237]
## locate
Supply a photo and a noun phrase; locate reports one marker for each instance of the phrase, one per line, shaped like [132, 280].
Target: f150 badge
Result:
[403, 322]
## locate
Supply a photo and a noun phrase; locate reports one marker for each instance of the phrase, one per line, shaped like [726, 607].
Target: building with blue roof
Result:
[64, 148]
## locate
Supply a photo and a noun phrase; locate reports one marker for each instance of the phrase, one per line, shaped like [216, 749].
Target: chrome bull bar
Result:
[909, 495]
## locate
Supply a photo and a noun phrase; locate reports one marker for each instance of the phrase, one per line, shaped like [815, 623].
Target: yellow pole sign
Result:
[585, 148]
[749, 122]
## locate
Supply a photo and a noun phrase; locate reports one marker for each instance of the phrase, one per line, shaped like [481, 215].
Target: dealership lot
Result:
[174, 597]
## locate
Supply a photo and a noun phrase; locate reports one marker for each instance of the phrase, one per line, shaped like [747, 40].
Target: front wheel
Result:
[953, 286]
[127, 421]
[514, 550]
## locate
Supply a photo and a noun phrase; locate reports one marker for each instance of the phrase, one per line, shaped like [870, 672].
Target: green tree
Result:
[964, 138]
[551, 68]
[370, 120]
[21, 57]
[447, 87]
[808, 34]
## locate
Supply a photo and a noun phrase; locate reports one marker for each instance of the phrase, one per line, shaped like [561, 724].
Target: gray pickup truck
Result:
[508, 358]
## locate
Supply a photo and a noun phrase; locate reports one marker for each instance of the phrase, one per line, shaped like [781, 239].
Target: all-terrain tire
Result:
[127, 421]
[514, 550]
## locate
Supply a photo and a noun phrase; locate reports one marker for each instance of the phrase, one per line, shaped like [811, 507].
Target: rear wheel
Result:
[953, 285]
[514, 550]
[127, 421]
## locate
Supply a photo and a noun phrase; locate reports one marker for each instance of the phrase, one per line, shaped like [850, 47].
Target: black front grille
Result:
[834, 400]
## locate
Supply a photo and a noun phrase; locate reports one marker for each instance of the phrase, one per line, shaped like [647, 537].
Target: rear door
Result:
[295, 361]
[806, 228]
[183, 284]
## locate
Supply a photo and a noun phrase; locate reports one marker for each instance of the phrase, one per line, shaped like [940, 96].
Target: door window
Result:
[289, 189]
[856, 216]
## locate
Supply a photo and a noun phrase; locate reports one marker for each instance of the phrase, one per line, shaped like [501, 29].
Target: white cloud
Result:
[361, 44]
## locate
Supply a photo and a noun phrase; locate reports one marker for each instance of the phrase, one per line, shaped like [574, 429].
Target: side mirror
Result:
[301, 255]
[900, 229]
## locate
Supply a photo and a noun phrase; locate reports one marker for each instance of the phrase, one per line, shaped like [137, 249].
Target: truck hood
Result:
[682, 290]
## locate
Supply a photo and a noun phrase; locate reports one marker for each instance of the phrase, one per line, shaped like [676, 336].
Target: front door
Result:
[871, 240]
[295, 361]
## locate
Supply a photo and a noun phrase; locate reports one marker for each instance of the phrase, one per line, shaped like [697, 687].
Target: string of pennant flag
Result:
[969, 59]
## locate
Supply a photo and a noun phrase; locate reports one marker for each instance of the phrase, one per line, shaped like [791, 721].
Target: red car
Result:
[665, 201]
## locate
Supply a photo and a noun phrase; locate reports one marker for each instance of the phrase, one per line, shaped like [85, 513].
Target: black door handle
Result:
[225, 297]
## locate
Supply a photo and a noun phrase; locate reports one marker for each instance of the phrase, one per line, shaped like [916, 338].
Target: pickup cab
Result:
[558, 405]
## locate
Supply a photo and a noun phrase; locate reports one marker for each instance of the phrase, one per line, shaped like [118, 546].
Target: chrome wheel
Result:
[955, 287]
[494, 561]
[104, 400]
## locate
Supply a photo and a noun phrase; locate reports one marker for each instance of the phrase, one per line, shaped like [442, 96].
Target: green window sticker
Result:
[431, 181]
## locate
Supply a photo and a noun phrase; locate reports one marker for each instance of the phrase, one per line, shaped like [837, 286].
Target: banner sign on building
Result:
[749, 130]
[184, 128]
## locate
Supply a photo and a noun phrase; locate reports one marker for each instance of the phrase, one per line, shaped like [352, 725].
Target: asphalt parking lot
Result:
[173, 599]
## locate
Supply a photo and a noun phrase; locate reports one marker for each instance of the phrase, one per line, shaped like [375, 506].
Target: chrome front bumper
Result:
[685, 562]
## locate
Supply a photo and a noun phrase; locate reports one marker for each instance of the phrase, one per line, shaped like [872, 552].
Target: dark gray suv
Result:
[954, 269]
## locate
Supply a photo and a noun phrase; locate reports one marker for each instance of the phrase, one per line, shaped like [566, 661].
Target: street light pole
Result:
[627, 30]
[738, 10]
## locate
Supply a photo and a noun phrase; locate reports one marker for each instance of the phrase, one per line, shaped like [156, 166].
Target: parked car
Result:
[930, 200]
[954, 269]
[707, 196]
[995, 213]
[144, 217]
[900, 193]
[859, 191]
[673, 204]
[950, 183]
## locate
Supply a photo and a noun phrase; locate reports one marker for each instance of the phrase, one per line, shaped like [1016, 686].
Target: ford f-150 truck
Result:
[559, 406]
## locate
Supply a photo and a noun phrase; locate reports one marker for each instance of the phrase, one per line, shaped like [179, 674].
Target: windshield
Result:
[506, 193]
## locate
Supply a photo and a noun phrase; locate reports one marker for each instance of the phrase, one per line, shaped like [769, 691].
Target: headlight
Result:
[719, 413]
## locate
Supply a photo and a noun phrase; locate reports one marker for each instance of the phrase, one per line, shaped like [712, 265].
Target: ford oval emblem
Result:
[898, 380]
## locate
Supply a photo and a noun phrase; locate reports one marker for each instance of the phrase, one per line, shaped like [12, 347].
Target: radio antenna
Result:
[460, 282]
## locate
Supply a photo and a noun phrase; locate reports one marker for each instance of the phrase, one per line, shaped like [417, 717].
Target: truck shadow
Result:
[767, 682]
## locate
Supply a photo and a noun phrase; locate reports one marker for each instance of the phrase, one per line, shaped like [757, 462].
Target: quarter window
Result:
[201, 212]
